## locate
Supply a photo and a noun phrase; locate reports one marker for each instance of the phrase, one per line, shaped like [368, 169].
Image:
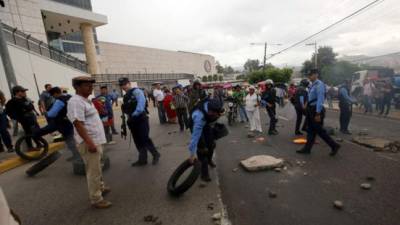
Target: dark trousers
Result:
[140, 129]
[182, 118]
[387, 102]
[29, 125]
[161, 113]
[345, 116]
[205, 149]
[299, 119]
[316, 128]
[4, 134]
[272, 117]
[107, 132]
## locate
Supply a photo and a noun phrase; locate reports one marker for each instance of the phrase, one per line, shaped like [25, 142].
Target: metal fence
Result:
[17, 37]
[143, 80]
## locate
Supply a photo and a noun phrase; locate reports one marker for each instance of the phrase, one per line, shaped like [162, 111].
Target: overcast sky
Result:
[225, 28]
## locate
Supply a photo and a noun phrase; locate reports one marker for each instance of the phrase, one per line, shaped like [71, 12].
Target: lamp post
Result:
[265, 51]
[316, 53]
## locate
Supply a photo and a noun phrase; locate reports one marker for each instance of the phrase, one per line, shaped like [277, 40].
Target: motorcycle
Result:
[232, 111]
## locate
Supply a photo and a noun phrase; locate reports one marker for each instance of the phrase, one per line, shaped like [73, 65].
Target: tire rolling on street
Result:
[43, 164]
[176, 191]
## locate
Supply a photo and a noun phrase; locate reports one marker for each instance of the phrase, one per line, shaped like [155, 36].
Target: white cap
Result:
[269, 81]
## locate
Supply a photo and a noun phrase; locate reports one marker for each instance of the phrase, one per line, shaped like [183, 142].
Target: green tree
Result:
[204, 79]
[215, 77]
[307, 67]
[251, 65]
[276, 74]
[210, 78]
[220, 78]
[228, 70]
[326, 57]
[220, 69]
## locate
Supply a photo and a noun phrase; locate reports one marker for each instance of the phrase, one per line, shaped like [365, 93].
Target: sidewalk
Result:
[393, 113]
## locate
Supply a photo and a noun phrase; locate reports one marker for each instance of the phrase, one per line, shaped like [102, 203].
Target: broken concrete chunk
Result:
[261, 162]
[378, 144]
[278, 169]
[217, 216]
[366, 186]
[235, 170]
[338, 204]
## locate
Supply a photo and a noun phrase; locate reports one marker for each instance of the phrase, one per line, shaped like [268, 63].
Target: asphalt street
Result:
[307, 189]
[57, 197]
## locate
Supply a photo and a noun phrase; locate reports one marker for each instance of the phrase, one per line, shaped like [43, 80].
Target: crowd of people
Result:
[87, 122]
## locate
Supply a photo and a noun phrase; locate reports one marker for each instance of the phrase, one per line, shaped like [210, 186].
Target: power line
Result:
[327, 28]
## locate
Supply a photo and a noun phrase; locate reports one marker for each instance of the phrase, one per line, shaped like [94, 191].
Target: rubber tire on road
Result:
[78, 166]
[30, 158]
[43, 164]
[190, 180]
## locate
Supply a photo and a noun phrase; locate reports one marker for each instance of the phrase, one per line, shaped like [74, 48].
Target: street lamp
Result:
[316, 53]
[265, 51]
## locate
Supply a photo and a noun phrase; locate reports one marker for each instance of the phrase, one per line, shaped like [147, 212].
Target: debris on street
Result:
[365, 186]
[261, 162]
[235, 170]
[338, 204]
[378, 144]
[272, 194]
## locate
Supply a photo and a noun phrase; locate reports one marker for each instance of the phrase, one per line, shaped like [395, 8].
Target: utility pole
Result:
[316, 53]
[265, 51]
[5, 58]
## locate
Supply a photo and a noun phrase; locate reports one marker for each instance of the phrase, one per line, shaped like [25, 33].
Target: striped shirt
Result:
[181, 101]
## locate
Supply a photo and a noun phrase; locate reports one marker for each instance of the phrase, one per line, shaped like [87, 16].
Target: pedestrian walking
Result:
[300, 102]
[280, 95]
[181, 102]
[196, 94]
[5, 137]
[202, 142]
[368, 90]
[169, 106]
[21, 109]
[89, 135]
[330, 95]
[45, 100]
[134, 106]
[387, 98]
[316, 115]
[345, 106]
[159, 97]
[238, 96]
[114, 97]
[252, 110]
[269, 98]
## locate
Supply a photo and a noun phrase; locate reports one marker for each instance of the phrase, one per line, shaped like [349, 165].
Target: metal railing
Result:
[140, 77]
[17, 37]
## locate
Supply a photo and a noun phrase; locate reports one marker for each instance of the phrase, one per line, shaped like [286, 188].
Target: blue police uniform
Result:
[315, 107]
[134, 105]
[345, 106]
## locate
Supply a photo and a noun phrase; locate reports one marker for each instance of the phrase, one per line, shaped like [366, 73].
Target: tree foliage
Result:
[220, 78]
[251, 65]
[228, 70]
[204, 79]
[275, 74]
[337, 73]
[215, 77]
[220, 69]
[326, 57]
[210, 78]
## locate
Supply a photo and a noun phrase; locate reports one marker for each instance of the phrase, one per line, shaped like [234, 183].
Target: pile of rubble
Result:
[378, 144]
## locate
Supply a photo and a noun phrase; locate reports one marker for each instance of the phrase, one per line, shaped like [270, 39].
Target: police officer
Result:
[21, 109]
[269, 97]
[300, 102]
[58, 113]
[202, 142]
[134, 106]
[345, 106]
[315, 116]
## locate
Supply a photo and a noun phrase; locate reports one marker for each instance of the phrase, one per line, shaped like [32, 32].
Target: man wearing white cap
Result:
[252, 105]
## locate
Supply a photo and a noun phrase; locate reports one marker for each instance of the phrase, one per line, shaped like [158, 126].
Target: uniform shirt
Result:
[55, 109]
[82, 109]
[345, 95]
[141, 102]
[316, 96]
[252, 101]
[158, 95]
[198, 124]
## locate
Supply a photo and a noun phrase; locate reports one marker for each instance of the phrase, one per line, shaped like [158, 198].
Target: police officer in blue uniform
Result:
[134, 106]
[202, 143]
[315, 116]
[345, 106]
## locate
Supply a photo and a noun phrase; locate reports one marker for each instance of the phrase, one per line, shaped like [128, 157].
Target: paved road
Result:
[56, 196]
[305, 193]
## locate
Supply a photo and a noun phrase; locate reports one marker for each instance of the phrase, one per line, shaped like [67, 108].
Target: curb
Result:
[16, 161]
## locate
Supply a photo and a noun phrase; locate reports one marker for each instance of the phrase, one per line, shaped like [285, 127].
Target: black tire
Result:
[78, 166]
[24, 155]
[43, 164]
[190, 180]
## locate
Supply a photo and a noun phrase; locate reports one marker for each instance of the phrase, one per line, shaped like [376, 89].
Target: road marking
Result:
[16, 161]
[283, 118]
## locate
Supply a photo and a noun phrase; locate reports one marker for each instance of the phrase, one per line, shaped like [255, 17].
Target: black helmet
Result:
[304, 82]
